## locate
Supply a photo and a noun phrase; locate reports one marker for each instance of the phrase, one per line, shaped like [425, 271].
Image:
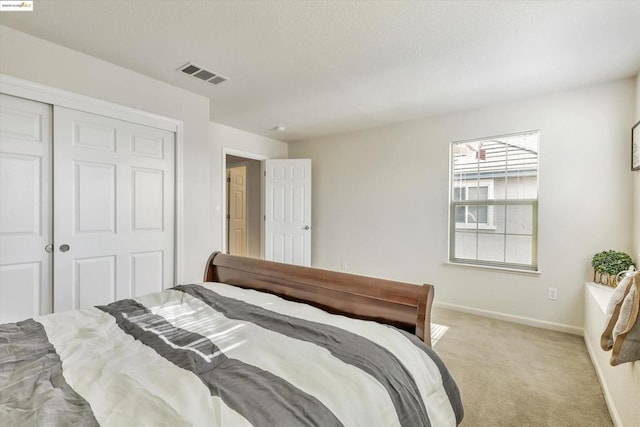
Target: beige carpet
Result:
[514, 375]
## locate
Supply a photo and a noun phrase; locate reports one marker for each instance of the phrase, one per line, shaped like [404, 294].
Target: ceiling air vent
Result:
[202, 73]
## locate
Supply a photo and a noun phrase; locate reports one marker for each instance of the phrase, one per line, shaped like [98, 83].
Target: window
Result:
[494, 201]
[467, 216]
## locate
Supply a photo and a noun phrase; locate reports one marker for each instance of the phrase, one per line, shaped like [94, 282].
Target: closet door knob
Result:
[64, 248]
[49, 248]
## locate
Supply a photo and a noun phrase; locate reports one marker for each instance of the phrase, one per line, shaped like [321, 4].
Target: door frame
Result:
[223, 222]
[50, 95]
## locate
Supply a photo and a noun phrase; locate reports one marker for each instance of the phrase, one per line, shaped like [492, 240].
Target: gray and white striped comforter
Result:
[214, 354]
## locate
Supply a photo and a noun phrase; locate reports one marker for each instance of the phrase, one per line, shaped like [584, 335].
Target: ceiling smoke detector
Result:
[202, 73]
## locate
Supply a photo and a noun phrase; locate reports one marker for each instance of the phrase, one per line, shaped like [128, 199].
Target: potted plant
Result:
[608, 264]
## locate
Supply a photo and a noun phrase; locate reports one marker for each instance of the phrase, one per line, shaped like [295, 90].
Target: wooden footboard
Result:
[400, 304]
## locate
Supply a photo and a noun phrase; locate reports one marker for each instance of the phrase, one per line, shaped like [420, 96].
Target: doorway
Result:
[243, 228]
[278, 206]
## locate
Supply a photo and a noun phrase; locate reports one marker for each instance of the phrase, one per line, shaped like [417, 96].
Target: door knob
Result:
[306, 227]
[49, 248]
[64, 248]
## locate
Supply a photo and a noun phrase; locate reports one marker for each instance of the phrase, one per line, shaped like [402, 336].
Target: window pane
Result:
[519, 219]
[521, 187]
[499, 186]
[519, 249]
[472, 193]
[478, 215]
[460, 210]
[472, 215]
[478, 193]
[483, 214]
[498, 212]
[458, 194]
[522, 167]
[465, 244]
[491, 246]
[483, 193]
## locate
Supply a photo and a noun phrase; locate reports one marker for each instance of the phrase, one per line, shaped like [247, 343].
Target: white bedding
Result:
[214, 354]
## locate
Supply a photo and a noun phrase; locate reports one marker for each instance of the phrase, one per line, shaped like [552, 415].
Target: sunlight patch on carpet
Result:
[437, 331]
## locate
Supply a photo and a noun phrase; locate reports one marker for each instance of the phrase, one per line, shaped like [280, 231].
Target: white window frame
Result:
[481, 182]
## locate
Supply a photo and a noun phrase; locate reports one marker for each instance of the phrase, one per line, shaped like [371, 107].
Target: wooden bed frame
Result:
[399, 304]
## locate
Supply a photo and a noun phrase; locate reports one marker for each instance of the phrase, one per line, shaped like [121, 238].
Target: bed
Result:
[257, 343]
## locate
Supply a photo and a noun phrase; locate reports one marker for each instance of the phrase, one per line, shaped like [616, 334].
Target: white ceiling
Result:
[326, 67]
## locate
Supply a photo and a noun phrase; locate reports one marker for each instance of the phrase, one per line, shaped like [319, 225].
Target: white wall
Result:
[636, 189]
[380, 199]
[40, 61]
[221, 138]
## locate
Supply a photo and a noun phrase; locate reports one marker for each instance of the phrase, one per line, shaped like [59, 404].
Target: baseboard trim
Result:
[613, 411]
[559, 327]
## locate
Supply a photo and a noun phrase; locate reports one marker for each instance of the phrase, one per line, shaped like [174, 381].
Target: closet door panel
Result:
[147, 187]
[20, 185]
[20, 291]
[114, 208]
[95, 198]
[147, 270]
[25, 208]
[100, 272]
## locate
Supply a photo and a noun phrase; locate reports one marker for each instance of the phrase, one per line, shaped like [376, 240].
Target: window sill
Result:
[498, 269]
[601, 294]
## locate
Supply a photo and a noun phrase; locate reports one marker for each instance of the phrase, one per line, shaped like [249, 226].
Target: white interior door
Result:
[237, 207]
[25, 208]
[288, 211]
[113, 209]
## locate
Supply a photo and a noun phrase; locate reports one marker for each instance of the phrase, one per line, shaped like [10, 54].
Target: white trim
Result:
[50, 95]
[179, 201]
[613, 411]
[543, 324]
[223, 216]
[491, 267]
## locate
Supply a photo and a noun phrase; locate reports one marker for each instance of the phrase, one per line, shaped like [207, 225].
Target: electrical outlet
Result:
[343, 265]
[552, 294]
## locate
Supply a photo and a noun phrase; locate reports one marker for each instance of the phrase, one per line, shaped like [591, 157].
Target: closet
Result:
[86, 209]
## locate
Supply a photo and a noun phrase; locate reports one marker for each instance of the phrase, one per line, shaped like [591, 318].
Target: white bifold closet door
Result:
[113, 209]
[25, 208]
[86, 209]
